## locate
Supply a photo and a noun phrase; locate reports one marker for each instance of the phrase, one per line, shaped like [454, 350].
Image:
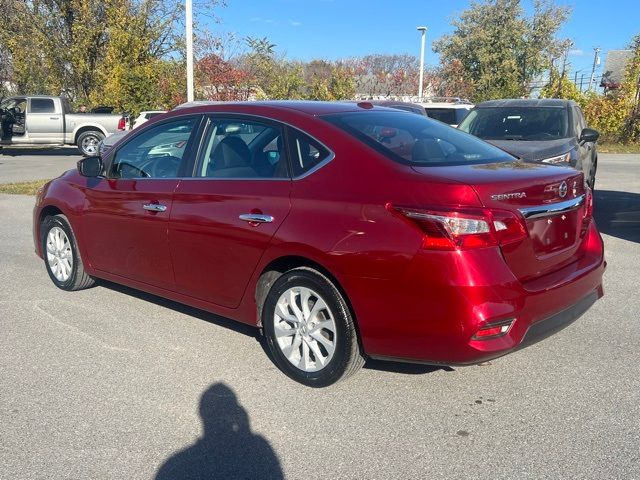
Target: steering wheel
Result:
[129, 168]
[164, 167]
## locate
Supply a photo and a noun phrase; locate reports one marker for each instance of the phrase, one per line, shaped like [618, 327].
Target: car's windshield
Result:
[517, 123]
[415, 139]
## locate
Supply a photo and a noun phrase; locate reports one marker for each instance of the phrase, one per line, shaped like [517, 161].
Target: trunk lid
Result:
[548, 199]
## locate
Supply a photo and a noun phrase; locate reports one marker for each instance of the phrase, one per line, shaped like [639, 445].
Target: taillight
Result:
[122, 124]
[464, 228]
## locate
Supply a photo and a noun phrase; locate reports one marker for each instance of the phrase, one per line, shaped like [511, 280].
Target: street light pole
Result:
[596, 61]
[189, 21]
[423, 31]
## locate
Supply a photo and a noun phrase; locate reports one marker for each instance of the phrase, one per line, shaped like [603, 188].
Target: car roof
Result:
[309, 107]
[527, 102]
[466, 106]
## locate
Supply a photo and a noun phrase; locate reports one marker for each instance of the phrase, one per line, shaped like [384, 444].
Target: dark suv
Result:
[548, 131]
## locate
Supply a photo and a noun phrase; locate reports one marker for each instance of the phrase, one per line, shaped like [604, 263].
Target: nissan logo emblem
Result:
[562, 190]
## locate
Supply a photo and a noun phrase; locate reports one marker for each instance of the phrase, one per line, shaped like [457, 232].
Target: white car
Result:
[447, 110]
[111, 140]
[146, 116]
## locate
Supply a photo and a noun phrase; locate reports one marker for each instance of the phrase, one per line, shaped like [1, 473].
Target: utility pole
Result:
[423, 31]
[581, 82]
[189, 21]
[596, 62]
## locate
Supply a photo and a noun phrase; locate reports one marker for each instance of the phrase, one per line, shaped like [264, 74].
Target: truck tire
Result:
[88, 142]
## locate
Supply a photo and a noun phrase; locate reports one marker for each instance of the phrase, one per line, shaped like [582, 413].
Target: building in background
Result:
[614, 68]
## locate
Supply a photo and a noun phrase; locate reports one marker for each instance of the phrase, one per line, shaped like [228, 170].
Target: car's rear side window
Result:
[416, 140]
[306, 153]
[236, 148]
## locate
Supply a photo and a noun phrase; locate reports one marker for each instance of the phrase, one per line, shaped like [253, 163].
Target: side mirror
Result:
[588, 135]
[90, 167]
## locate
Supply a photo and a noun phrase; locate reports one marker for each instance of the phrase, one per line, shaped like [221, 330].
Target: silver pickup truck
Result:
[29, 120]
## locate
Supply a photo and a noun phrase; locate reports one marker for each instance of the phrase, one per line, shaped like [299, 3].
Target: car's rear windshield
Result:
[416, 140]
[517, 123]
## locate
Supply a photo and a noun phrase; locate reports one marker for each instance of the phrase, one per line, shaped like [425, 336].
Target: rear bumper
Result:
[445, 301]
[547, 327]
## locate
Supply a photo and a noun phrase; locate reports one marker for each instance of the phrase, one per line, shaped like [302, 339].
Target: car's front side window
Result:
[156, 153]
[239, 148]
[42, 105]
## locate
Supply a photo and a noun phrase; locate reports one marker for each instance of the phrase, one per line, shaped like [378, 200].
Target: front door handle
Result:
[154, 207]
[256, 218]
[54, 118]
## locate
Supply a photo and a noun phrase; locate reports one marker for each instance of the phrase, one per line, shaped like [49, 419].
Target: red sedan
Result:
[344, 231]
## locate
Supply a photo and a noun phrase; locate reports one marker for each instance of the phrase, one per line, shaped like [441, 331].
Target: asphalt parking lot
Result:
[112, 383]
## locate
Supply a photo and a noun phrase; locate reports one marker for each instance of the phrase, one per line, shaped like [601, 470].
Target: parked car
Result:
[549, 131]
[307, 220]
[146, 116]
[449, 110]
[108, 142]
[47, 120]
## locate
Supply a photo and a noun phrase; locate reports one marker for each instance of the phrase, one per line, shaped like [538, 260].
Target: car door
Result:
[44, 121]
[224, 217]
[127, 213]
[585, 150]
[12, 121]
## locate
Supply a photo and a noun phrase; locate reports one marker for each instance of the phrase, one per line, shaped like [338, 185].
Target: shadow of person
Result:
[228, 449]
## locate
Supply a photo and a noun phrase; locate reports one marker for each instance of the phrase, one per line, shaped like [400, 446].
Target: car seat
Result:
[231, 158]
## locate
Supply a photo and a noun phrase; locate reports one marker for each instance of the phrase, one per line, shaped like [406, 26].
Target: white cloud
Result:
[576, 52]
[295, 23]
[261, 20]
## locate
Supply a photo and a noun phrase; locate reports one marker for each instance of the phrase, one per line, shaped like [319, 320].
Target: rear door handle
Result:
[54, 118]
[256, 218]
[154, 207]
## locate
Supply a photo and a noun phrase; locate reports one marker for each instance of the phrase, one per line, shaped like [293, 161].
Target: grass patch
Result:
[22, 188]
[607, 147]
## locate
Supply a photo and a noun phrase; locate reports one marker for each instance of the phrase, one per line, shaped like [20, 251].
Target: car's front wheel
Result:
[61, 256]
[309, 329]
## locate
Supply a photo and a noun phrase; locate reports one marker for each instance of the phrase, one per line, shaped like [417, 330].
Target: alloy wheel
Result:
[90, 145]
[59, 254]
[305, 329]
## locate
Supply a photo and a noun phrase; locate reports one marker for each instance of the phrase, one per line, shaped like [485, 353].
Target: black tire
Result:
[88, 142]
[78, 278]
[346, 359]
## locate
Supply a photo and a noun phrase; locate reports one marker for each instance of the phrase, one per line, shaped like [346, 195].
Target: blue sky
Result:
[307, 29]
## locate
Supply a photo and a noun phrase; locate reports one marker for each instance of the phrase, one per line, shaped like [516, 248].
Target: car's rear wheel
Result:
[309, 329]
[88, 142]
[61, 256]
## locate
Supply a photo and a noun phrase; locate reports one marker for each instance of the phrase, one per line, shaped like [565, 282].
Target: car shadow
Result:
[405, 368]
[371, 364]
[227, 449]
[40, 151]
[618, 214]
[185, 309]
